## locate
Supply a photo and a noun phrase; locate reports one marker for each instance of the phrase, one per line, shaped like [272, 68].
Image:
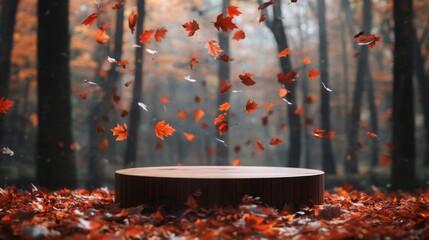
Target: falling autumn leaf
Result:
[193, 61]
[259, 145]
[100, 129]
[120, 131]
[313, 73]
[224, 58]
[285, 52]
[132, 21]
[251, 106]
[285, 78]
[330, 135]
[318, 133]
[90, 19]
[124, 113]
[101, 36]
[104, 144]
[306, 61]
[370, 134]
[122, 63]
[299, 111]
[198, 114]
[246, 79]
[283, 92]
[164, 100]
[145, 36]
[275, 141]
[269, 106]
[369, 40]
[385, 160]
[191, 27]
[219, 118]
[190, 137]
[266, 4]
[224, 107]
[5, 104]
[236, 162]
[160, 34]
[82, 95]
[213, 48]
[163, 130]
[239, 35]
[224, 87]
[233, 11]
[261, 18]
[182, 114]
[224, 23]
[118, 5]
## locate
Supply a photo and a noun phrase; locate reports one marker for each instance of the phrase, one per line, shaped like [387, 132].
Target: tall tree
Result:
[328, 163]
[131, 149]
[403, 164]
[7, 25]
[372, 116]
[276, 26]
[354, 117]
[56, 167]
[223, 75]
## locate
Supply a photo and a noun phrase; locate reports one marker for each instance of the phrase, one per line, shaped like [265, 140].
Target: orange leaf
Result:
[224, 87]
[120, 132]
[193, 62]
[145, 36]
[283, 92]
[90, 19]
[261, 18]
[101, 36]
[224, 107]
[259, 145]
[233, 11]
[313, 73]
[163, 130]
[269, 106]
[246, 79]
[369, 39]
[285, 52]
[238, 35]
[330, 135]
[182, 114]
[122, 63]
[306, 61]
[236, 162]
[118, 5]
[191, 27]
[190, 137]
[132, 21]
[370, 134]
[385, 160]
[5, 104]
[160, 34]
[318, 133]
[222, 127]
[198, 114]
[265, 4]
[224, 23]
[299, 111]
[104, 144]
[251, 106]
[213, 48]
[83, 95]
[275, 141]
[219, 118]
[164, 100]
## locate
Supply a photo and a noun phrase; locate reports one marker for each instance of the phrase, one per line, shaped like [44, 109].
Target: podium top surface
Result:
[219, 172]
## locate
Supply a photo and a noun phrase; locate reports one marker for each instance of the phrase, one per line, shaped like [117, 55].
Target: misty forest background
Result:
[68, 96]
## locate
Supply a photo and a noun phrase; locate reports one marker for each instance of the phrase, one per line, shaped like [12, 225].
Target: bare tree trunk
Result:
[353, 132]
[345, 62]
[131, 149]
[7, 25]
[222, 152]
[328, 162]
[373, 117]
[403, 164]
[423, 83]
[276, 26]
[56, 167]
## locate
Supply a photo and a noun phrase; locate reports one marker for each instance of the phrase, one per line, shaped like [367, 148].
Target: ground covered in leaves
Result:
[81, 214]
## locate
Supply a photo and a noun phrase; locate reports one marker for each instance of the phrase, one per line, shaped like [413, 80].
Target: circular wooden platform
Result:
[219, 185]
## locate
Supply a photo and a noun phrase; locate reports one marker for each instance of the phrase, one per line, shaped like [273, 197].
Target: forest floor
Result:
[81, 214]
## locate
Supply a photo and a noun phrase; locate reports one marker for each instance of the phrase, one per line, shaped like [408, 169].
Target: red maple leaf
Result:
[299, 111]
[266, 4]
[275, 141]
[286, 78]
[193, 61]
[83, 95]
[120, 131]
[160, 34]
[233, 11]
[368, 40]
[122, 63]
[224, 23]
[5, 104]
[285, 52]
[198, 114]
[213, 48]
[261, 18]
[124, 113]
[219, 118]
[163, 130]
[90, 19]
[238, 35]
[224, 87]
[246, 79]
[145, 36]
[118, 5]
[191, 27]
[222, 127]
[251, 106]
[318, 133]
[371, 134]
[259, 145]
[224, 107]
[224, 58]
[313, 73]
[132, 21]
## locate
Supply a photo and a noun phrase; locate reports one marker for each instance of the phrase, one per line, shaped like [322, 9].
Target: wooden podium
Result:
[219, 185]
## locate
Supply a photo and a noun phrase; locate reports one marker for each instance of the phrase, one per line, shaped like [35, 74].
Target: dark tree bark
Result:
[373, 117]
[56, 167]
[423, 83]
[403, 164]
[328, 162]
[345, 63]
[7, 25]
[276, 26]
[353, 132]
[131, 149]
[95, 164]
[222, 156]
